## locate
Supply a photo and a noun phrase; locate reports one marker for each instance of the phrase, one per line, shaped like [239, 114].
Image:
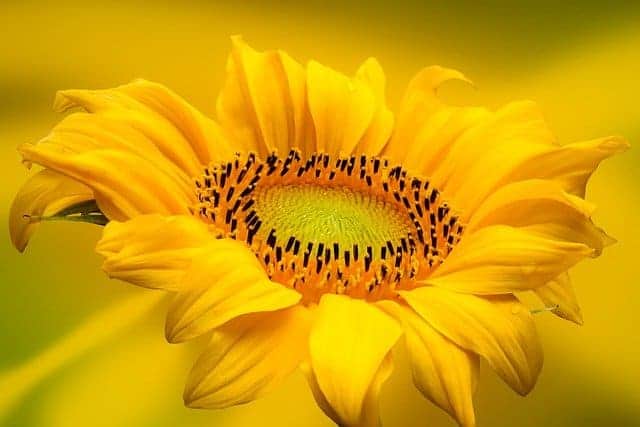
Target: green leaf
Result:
[87, 211]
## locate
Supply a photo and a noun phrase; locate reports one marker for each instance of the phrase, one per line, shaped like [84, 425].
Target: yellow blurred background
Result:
[581, 63]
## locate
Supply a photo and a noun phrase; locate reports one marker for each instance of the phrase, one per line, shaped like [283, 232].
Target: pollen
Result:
[353, 225]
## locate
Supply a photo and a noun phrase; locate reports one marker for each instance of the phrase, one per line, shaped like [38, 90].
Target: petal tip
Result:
[172, 333]
[573, 315]
[613, 144]
[238, 44]
[18, 244]
[432, 77]
[62, 102]
[190, 398]
[18, 231]
[619, 143]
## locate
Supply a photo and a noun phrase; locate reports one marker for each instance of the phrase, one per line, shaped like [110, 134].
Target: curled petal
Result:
[515, 202]
[202, 135]
[498, 328]
[544, 207]
[468, 184]
[379, 131]
[418, 105]
[45, 193]
[573, 164]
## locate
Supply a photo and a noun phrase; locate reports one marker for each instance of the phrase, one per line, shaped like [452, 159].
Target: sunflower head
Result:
[310, 227]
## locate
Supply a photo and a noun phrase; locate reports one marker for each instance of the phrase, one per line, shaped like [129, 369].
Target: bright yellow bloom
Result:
[310, 227]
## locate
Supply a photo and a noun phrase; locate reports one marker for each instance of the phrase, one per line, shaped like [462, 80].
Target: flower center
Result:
[347, 225]
[318, 214]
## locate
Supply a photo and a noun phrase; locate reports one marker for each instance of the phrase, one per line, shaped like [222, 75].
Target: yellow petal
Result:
[202, 134]
[443, 372]
[500, 259]
[513, 151]
[499, 143]
[559, 293]
[348, 343]
[83, 132]
[544, 207]
[263, 101]
[124, 185]
[370, 407]
[498, 328]
[379, 131]
[177, 130]
[215, 296]
[342, 109]
[248, 357]
[571, 165]
[418, 104]
[45, 193]
[180, 254]
[437, 135]
[137, 147]
[271, 103]
[152, 250]
[371, 73]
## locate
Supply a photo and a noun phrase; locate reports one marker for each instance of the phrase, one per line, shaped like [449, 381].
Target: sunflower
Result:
[310, 227]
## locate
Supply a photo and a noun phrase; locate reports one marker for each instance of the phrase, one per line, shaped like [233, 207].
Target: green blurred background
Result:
[580, 62]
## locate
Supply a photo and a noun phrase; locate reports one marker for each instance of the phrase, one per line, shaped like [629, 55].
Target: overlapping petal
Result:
[349, 341]
[501, 259]
[420, 105]
[181, 254]
[544, 207]
[436, 136]
[569, 165]
[341, 108]
[218, 291]
[498, 328]
[456, 147]
[153, 138]
[248, 357]
[499, 143]
[153, 251]
[263, 101]
[200, 134]
[445, 373]
[272, 103]
[181, 133]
